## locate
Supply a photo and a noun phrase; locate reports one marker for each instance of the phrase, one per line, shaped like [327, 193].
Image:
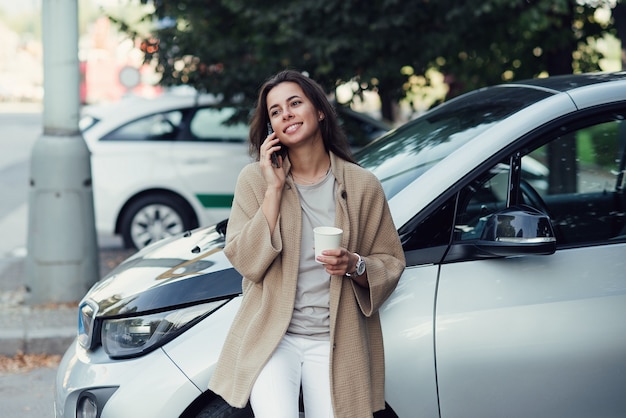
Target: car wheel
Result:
[218, 408]
[151, 218]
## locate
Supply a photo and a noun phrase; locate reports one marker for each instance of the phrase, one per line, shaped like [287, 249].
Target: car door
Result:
[208, 157]
[541, 336]
[408, 322]
[130, 159]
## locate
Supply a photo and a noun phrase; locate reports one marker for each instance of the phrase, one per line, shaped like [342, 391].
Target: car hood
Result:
[178, 271]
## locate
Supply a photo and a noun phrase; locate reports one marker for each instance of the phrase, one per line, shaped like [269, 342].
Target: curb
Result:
[31, 330]
[39, 329]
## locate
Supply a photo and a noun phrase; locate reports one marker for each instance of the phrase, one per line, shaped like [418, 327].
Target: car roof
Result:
[567, 82]
[132, 107]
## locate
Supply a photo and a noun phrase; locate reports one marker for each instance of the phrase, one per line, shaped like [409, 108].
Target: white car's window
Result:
[404, 154]
[213, 124]
[584, 161]
[480, 199]
[577, 178]
[157, 127]
[584, 193]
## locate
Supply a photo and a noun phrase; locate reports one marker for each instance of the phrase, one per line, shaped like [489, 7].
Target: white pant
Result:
[296, 361]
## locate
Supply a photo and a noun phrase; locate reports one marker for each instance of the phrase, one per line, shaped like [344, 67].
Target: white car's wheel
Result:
[151, 218]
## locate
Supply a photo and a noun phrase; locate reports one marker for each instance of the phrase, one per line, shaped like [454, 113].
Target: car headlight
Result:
[137, 335]
[86, 317]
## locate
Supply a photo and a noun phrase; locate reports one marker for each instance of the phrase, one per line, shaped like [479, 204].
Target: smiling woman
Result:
[279, 346]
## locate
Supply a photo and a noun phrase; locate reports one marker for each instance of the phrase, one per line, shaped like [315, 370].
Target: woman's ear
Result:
[320, 116]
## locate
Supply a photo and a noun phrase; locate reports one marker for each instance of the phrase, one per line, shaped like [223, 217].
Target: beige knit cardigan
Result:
[269, 265]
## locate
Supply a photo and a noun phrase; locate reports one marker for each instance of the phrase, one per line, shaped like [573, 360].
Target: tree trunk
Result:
[619, 16]
[558, 62]
[386, 104]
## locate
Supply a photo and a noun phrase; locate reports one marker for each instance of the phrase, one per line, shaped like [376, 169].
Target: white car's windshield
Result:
[404, 154]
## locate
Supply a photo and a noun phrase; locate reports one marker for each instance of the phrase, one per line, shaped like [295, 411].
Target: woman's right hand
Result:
[274, 176]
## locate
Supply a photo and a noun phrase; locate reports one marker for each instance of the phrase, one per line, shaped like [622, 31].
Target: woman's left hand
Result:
[338, 262]
[341, 261]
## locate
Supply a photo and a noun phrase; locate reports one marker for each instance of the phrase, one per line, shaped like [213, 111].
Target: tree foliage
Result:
[230, 47]
[510, 40]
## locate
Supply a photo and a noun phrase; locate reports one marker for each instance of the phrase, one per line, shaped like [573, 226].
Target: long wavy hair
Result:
[332, 134]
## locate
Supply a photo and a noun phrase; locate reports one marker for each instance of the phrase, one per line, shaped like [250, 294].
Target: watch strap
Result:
[359, 267]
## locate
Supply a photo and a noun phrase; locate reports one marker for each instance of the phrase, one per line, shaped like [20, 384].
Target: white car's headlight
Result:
[137, 335]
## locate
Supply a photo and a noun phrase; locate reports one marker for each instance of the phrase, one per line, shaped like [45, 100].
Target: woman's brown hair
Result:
[333, 136]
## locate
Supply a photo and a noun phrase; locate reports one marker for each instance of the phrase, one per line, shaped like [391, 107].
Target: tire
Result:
[151, 218]
[218, 408]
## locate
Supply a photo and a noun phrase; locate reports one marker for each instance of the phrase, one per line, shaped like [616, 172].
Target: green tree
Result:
[511, 40]
[229, 47]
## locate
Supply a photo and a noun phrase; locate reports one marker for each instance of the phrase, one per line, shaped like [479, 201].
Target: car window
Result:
[156, 127]
[584, 193]
[213, 124]
[404, 154]
[576, 178]
[432, 232]
[484, 196]
[359, 129]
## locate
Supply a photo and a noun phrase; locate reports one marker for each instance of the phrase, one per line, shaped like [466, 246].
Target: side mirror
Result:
[517, 230]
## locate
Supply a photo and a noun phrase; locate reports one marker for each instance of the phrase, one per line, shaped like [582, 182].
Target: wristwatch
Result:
[360, 267]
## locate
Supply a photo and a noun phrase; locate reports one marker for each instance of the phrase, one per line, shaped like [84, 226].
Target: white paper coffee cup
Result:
[326, 238]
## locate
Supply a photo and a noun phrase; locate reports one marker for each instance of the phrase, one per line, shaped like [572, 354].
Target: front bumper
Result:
[162, 383]
[148, 386]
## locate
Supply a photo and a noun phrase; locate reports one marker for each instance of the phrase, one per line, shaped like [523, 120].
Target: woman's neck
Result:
[308, 170]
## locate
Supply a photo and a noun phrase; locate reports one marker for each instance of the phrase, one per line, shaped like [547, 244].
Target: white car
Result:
[512, 303]
[166, 165]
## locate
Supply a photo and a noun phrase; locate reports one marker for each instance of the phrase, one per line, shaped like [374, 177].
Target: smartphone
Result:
[274, 156]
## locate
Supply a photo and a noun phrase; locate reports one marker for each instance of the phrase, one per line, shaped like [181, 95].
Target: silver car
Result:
[510, 205]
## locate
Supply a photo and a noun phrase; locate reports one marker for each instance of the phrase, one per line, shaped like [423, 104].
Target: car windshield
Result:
[404, 154]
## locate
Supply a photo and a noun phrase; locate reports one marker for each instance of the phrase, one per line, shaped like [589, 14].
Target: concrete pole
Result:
[62, 260]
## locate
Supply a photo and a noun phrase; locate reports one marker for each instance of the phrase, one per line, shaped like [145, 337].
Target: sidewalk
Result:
[47, 329]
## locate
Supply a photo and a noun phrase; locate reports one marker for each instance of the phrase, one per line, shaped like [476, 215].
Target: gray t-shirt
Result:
[311, 311]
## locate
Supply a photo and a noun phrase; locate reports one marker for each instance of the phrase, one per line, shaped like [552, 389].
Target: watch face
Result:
[360, 267]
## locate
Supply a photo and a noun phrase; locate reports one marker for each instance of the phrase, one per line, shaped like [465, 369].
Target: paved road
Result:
[18, 133]
[22, 394]
[26, 395]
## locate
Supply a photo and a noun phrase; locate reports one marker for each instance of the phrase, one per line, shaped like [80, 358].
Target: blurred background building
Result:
[111, 64]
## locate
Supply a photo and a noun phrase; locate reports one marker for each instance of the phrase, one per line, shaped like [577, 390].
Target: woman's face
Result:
[292, 114]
